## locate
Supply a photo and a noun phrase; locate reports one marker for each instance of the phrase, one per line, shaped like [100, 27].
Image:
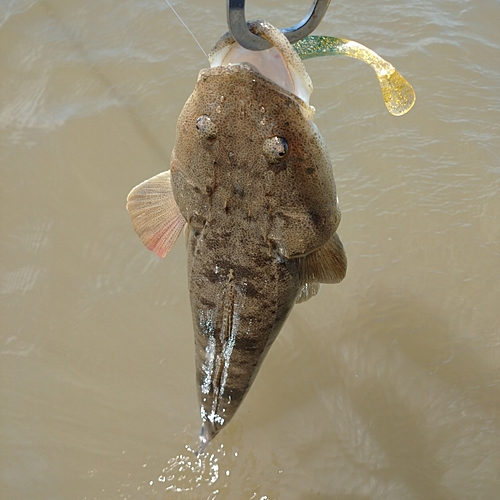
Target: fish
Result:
[252, 183]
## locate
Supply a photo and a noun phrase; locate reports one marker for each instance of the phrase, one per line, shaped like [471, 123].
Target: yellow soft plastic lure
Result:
[398, 94]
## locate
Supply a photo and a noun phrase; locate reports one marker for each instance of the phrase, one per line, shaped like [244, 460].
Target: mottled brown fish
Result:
[252, 179]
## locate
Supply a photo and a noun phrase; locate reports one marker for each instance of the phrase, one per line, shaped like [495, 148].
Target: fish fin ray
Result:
[327, 264]
[155, 215]
[308, 291]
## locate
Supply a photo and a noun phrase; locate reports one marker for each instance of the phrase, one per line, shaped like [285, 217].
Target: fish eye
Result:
[206, 127]
[275, 148]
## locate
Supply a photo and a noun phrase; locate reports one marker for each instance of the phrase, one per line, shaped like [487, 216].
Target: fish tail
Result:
[206, 435]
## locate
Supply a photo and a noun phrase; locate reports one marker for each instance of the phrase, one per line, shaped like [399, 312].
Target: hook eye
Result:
[239, 29]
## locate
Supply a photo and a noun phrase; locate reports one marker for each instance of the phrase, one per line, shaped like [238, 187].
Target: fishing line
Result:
[185, 26]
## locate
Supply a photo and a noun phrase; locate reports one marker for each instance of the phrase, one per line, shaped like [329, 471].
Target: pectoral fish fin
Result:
[327, 264]
[308, 291]
[155, 215]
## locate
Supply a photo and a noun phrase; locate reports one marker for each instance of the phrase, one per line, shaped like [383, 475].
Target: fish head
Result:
[249, 120]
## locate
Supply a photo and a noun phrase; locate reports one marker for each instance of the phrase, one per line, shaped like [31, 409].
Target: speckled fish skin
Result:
[251, 222]
[251, 178]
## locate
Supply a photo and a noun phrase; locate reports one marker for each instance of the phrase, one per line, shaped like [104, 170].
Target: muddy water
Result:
[386, 386]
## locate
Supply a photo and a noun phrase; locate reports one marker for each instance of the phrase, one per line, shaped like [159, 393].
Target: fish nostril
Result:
[275, 148]
[206, 127]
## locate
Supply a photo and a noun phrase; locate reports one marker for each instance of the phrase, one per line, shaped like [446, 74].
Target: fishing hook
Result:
[239, 29]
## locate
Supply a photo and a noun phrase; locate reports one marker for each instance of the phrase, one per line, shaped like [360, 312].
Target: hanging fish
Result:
[251, 179]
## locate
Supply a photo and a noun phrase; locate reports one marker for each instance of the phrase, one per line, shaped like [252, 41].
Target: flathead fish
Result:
[251, 178]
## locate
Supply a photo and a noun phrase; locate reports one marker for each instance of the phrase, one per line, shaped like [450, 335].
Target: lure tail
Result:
[399, 96]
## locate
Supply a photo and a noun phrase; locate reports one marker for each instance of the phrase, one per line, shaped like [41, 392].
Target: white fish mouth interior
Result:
[269, 63]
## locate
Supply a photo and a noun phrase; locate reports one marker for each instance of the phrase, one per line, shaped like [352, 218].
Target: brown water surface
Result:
[386, 386]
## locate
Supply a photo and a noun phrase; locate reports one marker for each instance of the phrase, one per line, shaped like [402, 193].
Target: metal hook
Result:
[238, 25]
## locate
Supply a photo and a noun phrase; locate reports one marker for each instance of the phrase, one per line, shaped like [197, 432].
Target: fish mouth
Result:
[270, 64]
[281, 64]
